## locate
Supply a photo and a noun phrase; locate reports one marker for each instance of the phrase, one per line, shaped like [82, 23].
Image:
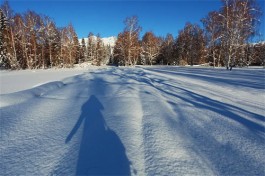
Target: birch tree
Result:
[239, 21]
[213, 36]
[132, 30]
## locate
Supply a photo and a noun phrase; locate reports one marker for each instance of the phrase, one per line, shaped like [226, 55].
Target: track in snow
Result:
[137, 121]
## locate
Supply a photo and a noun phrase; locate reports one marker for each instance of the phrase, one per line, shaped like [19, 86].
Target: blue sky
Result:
[106, 17]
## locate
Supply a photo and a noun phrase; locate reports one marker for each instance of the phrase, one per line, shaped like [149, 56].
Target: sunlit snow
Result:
[133, 121]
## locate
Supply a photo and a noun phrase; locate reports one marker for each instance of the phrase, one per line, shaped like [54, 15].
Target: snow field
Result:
[136, 121]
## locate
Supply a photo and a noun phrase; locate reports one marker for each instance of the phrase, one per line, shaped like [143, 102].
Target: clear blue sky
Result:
[106, 17]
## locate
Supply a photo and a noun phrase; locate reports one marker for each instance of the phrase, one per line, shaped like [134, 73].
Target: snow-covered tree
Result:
[239, 22]
[32, 26]
[83, 51]
[9, 40]
[3, 49]
[52, 41]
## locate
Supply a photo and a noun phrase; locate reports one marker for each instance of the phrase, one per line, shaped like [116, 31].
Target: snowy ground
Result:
[133, 121]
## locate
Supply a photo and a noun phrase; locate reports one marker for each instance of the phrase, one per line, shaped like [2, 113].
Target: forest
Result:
[32, 41]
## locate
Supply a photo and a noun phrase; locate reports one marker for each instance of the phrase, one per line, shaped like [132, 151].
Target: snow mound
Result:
[22, 96]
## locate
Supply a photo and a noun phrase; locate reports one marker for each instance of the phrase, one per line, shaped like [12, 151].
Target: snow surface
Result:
[13, 81]
[134, 121]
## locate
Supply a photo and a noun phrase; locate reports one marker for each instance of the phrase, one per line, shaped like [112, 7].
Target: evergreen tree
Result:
[3, 52]
[98, 51]
[83, 51]
[90, 47]
[9, 40]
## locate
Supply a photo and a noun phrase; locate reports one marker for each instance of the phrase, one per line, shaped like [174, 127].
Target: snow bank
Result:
[13, 81]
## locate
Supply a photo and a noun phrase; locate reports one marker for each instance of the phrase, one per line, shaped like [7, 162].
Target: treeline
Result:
[31, 40]
[223, 40]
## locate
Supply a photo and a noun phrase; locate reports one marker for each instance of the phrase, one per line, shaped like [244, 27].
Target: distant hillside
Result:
[107, 40]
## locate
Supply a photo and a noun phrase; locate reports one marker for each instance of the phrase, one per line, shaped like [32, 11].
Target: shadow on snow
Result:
[237, 78]
[221, 157]
[101, 151]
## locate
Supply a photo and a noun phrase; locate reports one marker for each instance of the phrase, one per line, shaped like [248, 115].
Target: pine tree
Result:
[107, 54]
[83, 51]
[98, 51]
[90, 47]
[9, 40]
[3, 52]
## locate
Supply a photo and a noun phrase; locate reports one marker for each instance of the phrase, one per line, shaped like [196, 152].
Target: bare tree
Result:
[98, 51]
[239, 22]
[191, 45]
[213, 36]
[167, 50]
[71, 44]
[32, 23]
[132, 29]
[150, 47]
[52, 40]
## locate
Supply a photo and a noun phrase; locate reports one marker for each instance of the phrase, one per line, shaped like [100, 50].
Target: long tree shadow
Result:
[220, 155]
[101, 151]
[203, 102]
[237, 80]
